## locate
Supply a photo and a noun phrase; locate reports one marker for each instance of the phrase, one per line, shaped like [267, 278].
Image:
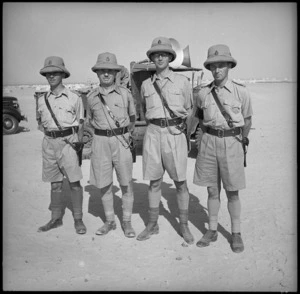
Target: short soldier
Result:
[224, 110]
[63, 128]
[167, 101]
[111, 112]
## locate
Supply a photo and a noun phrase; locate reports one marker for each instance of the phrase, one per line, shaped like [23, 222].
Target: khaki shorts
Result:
[164, 151]
[108, 153]
[60, 159]
[220, 159]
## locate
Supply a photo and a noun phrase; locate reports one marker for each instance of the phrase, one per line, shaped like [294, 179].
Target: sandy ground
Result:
[62, 260]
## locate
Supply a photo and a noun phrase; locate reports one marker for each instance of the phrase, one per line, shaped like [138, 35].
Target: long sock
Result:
[213, 206]
[77, 200]
[234, 208]
[56, 204]
[154, 198]
[183, 200]
[108, 205]
[127, 205]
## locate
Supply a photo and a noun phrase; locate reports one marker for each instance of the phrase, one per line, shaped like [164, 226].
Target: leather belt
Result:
[163, 122]
[223, 133]
[112, 132]
[63, 133]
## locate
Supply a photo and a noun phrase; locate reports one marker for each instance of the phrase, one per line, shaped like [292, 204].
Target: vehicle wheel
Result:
[10, 124]
[87, 139]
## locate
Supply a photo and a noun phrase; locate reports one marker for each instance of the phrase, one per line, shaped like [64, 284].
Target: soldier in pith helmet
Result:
[64, 125]
[224, 110]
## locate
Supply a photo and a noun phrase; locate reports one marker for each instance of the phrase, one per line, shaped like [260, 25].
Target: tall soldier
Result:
[63, 127]
[111, 112]
[225, 113]
[167, 101]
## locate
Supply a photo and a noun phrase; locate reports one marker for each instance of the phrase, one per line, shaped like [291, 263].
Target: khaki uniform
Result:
[110, 152]
[57, 154]
[161, 149]
[222, 155]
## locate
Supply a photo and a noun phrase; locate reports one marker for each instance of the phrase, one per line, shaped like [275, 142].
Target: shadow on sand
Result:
[197, 212]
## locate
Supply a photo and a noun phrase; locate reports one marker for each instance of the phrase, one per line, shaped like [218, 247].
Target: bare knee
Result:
[181, 186]
[213, 192]
[232, 196]
[56, 186]
[75, 186]
[155, 185]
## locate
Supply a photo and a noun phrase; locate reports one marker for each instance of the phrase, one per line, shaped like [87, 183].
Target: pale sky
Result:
[262, 36]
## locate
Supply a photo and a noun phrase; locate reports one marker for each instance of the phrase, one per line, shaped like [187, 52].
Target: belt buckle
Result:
[221, 133]
[53, 134]
[163, 123]
[108, 133]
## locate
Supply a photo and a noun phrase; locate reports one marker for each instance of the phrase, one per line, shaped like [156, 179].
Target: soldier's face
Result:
[161, 59]
[55, 78]
[220, 70]
[106, 76]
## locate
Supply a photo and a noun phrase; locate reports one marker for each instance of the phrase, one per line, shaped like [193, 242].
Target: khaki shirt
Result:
[120, 102]
[235, 99]
[177, 91]
[67, 108]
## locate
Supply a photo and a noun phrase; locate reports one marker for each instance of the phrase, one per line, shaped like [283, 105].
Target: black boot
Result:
[56, 207]
[108, 226]
[237, 244]
[52, 224]
[152, 226]
[184, 229]
[128, 229]
[79, 226]
[210, 236]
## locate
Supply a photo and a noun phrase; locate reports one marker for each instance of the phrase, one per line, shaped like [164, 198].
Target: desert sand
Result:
[61, 260]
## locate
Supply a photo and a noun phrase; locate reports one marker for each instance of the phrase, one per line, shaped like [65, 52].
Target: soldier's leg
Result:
[56, 207]
[154, 196]
[234, 209]
[183, 197]
[213, 206]
[127, 206]
[77, 200]
[108, 205]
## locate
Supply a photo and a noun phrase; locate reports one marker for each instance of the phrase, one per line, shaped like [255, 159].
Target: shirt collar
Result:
[65, 92]
[170, 76]
[228, 86]
[114, 88]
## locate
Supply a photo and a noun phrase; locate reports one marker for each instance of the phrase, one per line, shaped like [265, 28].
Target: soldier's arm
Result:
[246, 128]
[80, 117]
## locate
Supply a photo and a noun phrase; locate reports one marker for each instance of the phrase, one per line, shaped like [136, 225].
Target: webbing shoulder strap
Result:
[52, 114]
[109, 111]
[172, 114]
[222, 109]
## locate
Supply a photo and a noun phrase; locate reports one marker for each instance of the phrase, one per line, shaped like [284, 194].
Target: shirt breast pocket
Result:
[175, 97]
[67, 114]
[149, 99]
[233, 106]
[209, 110]
[120, 109]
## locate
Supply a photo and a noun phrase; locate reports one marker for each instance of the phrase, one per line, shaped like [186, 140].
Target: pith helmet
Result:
[161, 44]
[219, 53]
[106, 61]
[54, 64]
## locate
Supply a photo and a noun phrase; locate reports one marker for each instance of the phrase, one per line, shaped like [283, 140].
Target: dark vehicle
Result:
[12, 115]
